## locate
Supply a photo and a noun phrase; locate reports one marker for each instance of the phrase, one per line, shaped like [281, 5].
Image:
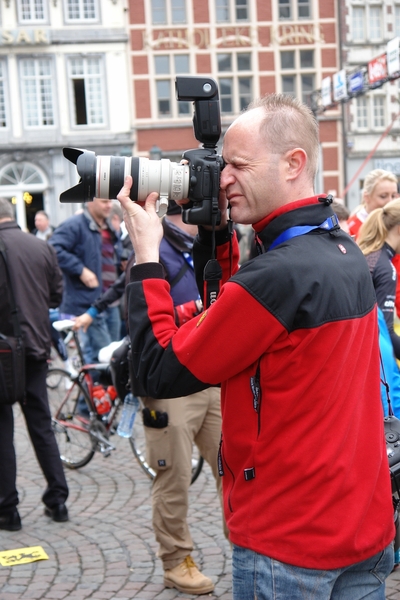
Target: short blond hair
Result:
[290, 124]
[376, 176]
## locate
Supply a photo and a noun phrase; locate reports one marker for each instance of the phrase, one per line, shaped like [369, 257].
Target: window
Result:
[362, 113]
[358, 23]
[301, 82]
[370, 112]
[307, 87]
[235, 89]
[287, 60]
[86, 79]
[397, 20]
[37, 92]
[375, 22]
[378, 112]
[303, 8]
[81, 10]
[367, 23]
[32, 11]
[164, 98]
[285, 9]
[294, 9]
[166, 67]
[231, 10]
[165, 12]
[3, 108]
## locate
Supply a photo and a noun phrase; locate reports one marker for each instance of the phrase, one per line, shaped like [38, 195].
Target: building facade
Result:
[64, 82]
[250, 47]
[372, 119]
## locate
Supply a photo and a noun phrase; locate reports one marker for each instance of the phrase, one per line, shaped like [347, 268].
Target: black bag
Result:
[12, 355]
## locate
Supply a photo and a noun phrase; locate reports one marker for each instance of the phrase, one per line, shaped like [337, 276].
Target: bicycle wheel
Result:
[138, 445]
[70, 418]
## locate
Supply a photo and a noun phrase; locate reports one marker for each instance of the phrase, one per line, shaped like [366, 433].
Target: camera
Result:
[392, 436]
[197, 179]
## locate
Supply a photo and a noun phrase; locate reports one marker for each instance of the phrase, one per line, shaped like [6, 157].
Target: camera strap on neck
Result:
[329, 224]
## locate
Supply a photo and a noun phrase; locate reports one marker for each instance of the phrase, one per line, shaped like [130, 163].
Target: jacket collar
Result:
[9, 225]
[308, 211]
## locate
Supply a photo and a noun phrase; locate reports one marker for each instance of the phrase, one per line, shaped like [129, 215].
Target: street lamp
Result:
[155, 153]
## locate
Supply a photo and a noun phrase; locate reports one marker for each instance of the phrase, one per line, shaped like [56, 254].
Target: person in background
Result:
[116, 218]
[342, 213]
[88, 252]
[172, 426]
[293, 339]
[37, 284]
[379, 240]
[380, 187]
[43, 230]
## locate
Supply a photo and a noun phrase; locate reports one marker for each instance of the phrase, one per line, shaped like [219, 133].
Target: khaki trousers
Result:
[191, 419]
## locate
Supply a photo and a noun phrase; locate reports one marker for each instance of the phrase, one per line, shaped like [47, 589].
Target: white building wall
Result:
[41, 146]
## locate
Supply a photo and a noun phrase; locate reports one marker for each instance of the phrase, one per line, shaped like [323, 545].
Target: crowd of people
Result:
[278, 381]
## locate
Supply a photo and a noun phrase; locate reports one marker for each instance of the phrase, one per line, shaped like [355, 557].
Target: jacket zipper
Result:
[256, 391]
[221, 463]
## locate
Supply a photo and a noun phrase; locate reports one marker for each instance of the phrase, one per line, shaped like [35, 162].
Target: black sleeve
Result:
[114, 292]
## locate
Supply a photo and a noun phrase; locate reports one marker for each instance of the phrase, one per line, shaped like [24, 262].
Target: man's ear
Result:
[296, 161]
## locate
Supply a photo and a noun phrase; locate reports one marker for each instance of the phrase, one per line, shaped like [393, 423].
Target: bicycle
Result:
[79, 428]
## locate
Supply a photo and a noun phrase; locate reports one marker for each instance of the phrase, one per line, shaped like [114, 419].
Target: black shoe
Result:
[58, 513]
[11, 521]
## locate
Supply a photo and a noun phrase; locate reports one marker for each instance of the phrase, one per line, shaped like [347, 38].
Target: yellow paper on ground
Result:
[20, 556]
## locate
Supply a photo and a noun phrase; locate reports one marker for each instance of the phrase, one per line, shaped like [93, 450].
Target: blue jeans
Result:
[113, 320]
[257, 577]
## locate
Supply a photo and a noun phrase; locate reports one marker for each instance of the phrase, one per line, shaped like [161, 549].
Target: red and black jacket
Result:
[293, 340]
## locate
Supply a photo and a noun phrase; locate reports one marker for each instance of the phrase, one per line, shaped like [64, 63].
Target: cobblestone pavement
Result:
[107, 550]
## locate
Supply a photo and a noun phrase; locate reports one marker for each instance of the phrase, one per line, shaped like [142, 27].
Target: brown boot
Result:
[187, 578]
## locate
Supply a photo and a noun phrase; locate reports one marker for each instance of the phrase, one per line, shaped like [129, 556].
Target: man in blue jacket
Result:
[88, 252]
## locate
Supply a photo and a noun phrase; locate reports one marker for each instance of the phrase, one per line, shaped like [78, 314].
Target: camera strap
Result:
[386, 386]
[212, 274]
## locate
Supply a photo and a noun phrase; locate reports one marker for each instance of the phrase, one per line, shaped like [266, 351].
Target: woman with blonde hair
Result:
[380, 187]
[379, 240]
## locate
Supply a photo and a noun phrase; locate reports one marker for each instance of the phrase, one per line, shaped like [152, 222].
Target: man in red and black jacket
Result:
[293, 340]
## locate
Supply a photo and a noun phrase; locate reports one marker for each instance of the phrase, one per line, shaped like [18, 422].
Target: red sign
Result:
[377, 69]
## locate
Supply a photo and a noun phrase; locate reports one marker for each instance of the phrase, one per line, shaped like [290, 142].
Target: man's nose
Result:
[226, 177]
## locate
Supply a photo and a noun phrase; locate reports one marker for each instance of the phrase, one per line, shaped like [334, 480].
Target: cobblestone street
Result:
[107, 550]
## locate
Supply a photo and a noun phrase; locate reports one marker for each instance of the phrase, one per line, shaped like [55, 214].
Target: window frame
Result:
[366, 122]
[38, 78]
[367, 34]
[168, 11]
[236, 77]
[232, 8]
[178, 109]
[293, 8]
[81, 19]
[297, 73]
[87, 76]
[34, 20]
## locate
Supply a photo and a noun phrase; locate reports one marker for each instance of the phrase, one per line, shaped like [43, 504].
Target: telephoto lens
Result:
[103, 177]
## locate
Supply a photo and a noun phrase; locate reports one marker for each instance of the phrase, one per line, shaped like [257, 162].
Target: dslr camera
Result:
[197, 179]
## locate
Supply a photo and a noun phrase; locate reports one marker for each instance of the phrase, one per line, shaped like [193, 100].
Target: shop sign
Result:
[377, 69]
